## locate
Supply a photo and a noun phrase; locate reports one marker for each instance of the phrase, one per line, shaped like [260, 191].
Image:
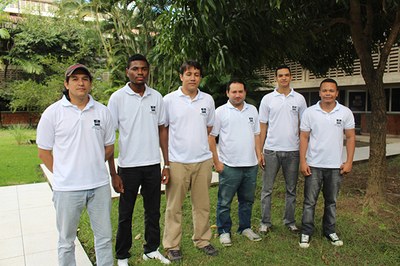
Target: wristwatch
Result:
[167, 166]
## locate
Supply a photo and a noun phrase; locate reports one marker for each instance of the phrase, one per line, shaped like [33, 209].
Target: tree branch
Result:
[387, 47]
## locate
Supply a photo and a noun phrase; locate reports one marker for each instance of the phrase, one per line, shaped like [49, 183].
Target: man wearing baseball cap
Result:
[75, 137]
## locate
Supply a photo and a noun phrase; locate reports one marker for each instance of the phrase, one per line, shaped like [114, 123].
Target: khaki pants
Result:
[197, 178]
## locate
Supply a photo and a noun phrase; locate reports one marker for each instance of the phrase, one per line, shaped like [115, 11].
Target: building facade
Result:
[352, 89]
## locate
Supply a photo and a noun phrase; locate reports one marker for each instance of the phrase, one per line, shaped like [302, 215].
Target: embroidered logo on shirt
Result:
[96, 123]
[295, 108]
[203, 111]
[251, 120]
[338, 121]
[153, 109]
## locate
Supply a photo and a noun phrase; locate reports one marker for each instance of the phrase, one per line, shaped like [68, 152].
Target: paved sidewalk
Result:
[28, 234]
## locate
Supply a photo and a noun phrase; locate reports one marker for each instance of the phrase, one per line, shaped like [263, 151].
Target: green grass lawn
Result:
[369, 239]
[19, 164]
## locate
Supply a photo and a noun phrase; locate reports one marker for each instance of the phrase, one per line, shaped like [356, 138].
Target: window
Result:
[395, 100]
[357, 101]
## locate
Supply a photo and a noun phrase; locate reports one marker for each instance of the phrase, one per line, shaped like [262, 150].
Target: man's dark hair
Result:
[190, 63]
[282, 67]
[137, 57]
[235, 80]
[329, 80]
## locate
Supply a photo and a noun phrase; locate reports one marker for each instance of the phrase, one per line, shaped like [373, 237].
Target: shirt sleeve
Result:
[303, 106]
[305, 123]
[113, 107]
[166, 113]
[109, 137]
[256, 127]
[349, 122]
[263, 111]
[217, 124]
[45, 133]
[162, 113]
[211, 113]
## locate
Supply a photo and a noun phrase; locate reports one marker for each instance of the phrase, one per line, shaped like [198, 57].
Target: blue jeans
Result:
[289, 161]
[329, 180]
[69, 206]
[232, 180]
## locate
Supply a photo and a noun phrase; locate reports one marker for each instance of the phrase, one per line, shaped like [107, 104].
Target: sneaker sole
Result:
[337, 243]
[304, 245]
[256, 240]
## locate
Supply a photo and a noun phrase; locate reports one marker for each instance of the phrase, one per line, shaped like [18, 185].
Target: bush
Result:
[20, 133]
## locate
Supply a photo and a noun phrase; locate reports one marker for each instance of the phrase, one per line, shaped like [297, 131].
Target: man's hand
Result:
[165, 176]
[261, 161]
[117, 183]
[219, 167]
[305, 169]
[346, 168]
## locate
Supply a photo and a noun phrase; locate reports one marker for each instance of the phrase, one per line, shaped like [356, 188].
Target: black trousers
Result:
[149, 179]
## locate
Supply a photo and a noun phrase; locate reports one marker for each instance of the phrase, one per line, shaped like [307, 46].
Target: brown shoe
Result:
[174, 255]
[209, 250]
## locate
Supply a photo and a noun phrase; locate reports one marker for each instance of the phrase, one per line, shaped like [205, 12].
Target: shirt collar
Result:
[129, 91]
[318, 107]
[66, 103]
[276, 93]
[245, 106]
[199, 95]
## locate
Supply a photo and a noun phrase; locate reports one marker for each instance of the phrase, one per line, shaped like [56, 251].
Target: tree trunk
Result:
[377, 158]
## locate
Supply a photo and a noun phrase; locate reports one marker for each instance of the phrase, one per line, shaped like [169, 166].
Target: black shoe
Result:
[209, 250]
[174, 255]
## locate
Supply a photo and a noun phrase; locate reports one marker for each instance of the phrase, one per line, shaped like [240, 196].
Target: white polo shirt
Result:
[282, 114]
[77, 139]
[188, 121]
[236, 129]
[137, 118]
[326, 134]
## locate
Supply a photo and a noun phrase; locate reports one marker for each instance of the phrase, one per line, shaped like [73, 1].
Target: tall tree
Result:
[240, 36]
[42, 47]
[123, 28]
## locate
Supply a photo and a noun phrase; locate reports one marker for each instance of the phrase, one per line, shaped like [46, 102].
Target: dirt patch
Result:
[355, 183]
[354, 188]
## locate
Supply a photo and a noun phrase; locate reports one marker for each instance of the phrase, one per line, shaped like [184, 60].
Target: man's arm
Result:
[47, 158]
[218, 165]
[304, 167]
[350, 147]
[263, 136]
[258, 148]
[109, 152]
[209, 130]
[163, 135]
[115, 178]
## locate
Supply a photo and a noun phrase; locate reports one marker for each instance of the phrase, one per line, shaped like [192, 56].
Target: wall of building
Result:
[23, 118]
[393, 125]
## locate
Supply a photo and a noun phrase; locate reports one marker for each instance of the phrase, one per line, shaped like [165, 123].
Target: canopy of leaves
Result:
[39, 42]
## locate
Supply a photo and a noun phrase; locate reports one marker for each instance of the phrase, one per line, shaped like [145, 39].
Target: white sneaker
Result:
[293, 228]
[304, 241]
[123, 262]
[264, 229]
[157, 256]
[251, 235]
[335, 240]
[225, 239]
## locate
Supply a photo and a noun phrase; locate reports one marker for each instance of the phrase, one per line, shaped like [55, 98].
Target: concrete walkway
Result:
[28, 234]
